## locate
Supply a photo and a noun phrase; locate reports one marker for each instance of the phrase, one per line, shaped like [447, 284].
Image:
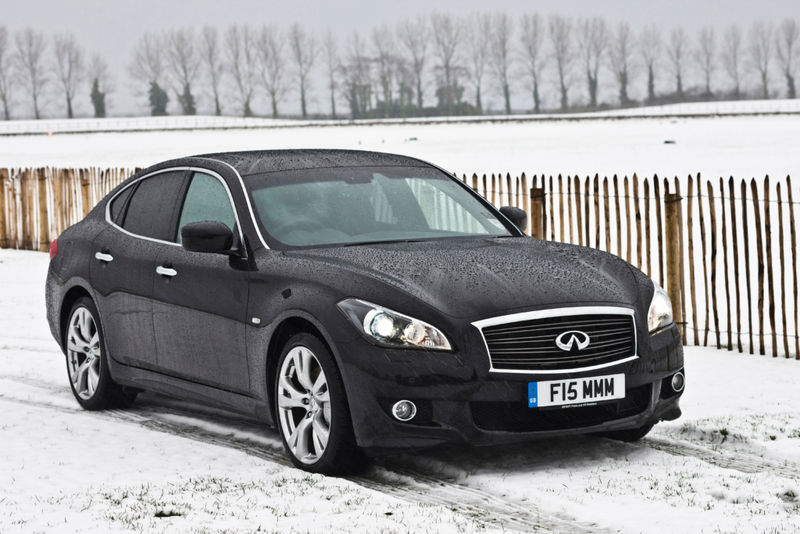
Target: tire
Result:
[632, 434]
[311, 409]
[87, 365]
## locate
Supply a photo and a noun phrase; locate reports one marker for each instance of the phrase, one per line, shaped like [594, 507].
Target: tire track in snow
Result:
[739, 461]
[412, 486]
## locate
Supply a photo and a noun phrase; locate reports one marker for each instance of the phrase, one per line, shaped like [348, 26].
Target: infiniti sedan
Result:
[362, 303]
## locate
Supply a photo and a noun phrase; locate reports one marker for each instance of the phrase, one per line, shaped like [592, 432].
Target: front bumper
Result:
[460, 401]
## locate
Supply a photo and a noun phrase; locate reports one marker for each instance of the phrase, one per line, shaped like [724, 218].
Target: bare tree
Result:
[102, 84]
[6, 74]
[447, 36]
[330, 55]
[478, 30]
[501, 54]
[210, 58]
[677, 51]
[385, 60]
[651, 48]
[787, 45]
[532, 39]
[242, 63]
[592, 44]
[184, 62]
[149, 67]
[70, 66]
[759, 47]
[621, 54]
[732, 56]
[31, 46]
[706, 55]
[561, 40]
[304, 50]
[149, 60]
[415, 37]
[358, 76]
[272, 65]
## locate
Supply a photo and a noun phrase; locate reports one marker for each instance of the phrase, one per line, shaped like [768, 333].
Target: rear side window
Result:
[119, 204]
[206, 200]
[151, 209]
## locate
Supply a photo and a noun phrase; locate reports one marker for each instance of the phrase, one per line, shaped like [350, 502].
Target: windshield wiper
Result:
[384, 241]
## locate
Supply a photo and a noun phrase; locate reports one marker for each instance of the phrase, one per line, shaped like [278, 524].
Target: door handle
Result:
[103, 256]
[166, 271]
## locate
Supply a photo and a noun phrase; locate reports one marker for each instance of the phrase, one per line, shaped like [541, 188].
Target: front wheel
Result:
[312, 412]
[87, 368]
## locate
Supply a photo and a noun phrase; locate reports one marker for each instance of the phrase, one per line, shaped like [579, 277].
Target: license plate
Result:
[579, 391]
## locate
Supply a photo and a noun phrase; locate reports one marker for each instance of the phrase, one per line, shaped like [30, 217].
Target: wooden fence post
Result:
[44, 220]
[24, 197]
[690, 232]
[672, 207]
[3, 226]
[793, 237]
[537, 212]
[85, 191]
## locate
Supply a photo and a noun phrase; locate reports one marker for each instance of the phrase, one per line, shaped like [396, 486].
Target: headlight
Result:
[660, 313]
[392, 329]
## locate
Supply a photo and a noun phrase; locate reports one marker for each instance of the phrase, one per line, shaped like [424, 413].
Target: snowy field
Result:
[742, 146]
[731, 464]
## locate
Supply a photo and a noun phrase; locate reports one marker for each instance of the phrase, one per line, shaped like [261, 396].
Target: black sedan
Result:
[365, 304]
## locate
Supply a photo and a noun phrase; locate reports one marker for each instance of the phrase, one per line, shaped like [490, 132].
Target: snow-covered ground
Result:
[743, 146]
[730, 464]
[183, 122]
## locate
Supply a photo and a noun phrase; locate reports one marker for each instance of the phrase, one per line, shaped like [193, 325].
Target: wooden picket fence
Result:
[740, 226]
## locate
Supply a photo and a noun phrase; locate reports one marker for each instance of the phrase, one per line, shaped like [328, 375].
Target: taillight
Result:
[54, 248]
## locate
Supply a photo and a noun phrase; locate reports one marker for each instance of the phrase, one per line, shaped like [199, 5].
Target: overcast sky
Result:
[111, 27]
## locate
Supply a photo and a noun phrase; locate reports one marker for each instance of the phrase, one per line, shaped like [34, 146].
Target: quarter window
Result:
[206, 200]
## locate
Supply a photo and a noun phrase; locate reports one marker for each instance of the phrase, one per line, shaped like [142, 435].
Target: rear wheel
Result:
[312, 412]
[87, 368]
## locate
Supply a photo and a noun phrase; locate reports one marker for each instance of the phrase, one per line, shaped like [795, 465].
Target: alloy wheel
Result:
[83, 353]
[304, 406]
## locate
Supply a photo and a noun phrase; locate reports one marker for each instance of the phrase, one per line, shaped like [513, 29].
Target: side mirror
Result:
[207, 236]
[516, 216]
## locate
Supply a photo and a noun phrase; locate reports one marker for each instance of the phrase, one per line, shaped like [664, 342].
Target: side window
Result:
[151, 209]
[206, 200]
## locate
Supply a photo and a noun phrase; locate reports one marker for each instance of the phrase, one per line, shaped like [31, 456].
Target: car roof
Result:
[263, 161]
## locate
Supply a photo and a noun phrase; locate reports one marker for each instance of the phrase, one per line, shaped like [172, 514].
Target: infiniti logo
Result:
[572, 339]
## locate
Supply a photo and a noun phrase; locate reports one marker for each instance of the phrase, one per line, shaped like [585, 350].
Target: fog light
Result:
[678, 381]
[404, 410]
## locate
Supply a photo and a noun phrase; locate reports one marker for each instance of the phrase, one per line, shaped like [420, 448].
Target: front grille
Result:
[531, 345]
[517, 417]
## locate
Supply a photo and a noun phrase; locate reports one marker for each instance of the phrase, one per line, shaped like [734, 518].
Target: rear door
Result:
[200, 299]
[123, 264]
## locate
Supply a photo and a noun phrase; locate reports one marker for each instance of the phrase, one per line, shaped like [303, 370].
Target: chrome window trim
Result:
[247, 200]
[559, 312]
[162, 171]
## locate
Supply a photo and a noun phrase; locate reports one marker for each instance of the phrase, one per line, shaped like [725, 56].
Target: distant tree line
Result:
[430, 65]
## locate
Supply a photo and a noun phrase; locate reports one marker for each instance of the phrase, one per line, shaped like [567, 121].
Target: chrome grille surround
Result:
[571, 316]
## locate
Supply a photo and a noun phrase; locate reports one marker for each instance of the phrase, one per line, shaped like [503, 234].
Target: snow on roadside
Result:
[730, 464]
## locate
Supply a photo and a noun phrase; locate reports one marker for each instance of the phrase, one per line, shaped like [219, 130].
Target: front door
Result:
[200, 299]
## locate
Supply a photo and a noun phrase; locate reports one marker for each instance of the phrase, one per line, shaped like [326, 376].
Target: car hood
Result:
[479, 277]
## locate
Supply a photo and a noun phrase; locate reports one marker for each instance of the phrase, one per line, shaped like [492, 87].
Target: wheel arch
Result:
[70, 298]
[289, 327]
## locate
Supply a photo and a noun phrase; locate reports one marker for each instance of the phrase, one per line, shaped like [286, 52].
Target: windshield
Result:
[351, 205]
